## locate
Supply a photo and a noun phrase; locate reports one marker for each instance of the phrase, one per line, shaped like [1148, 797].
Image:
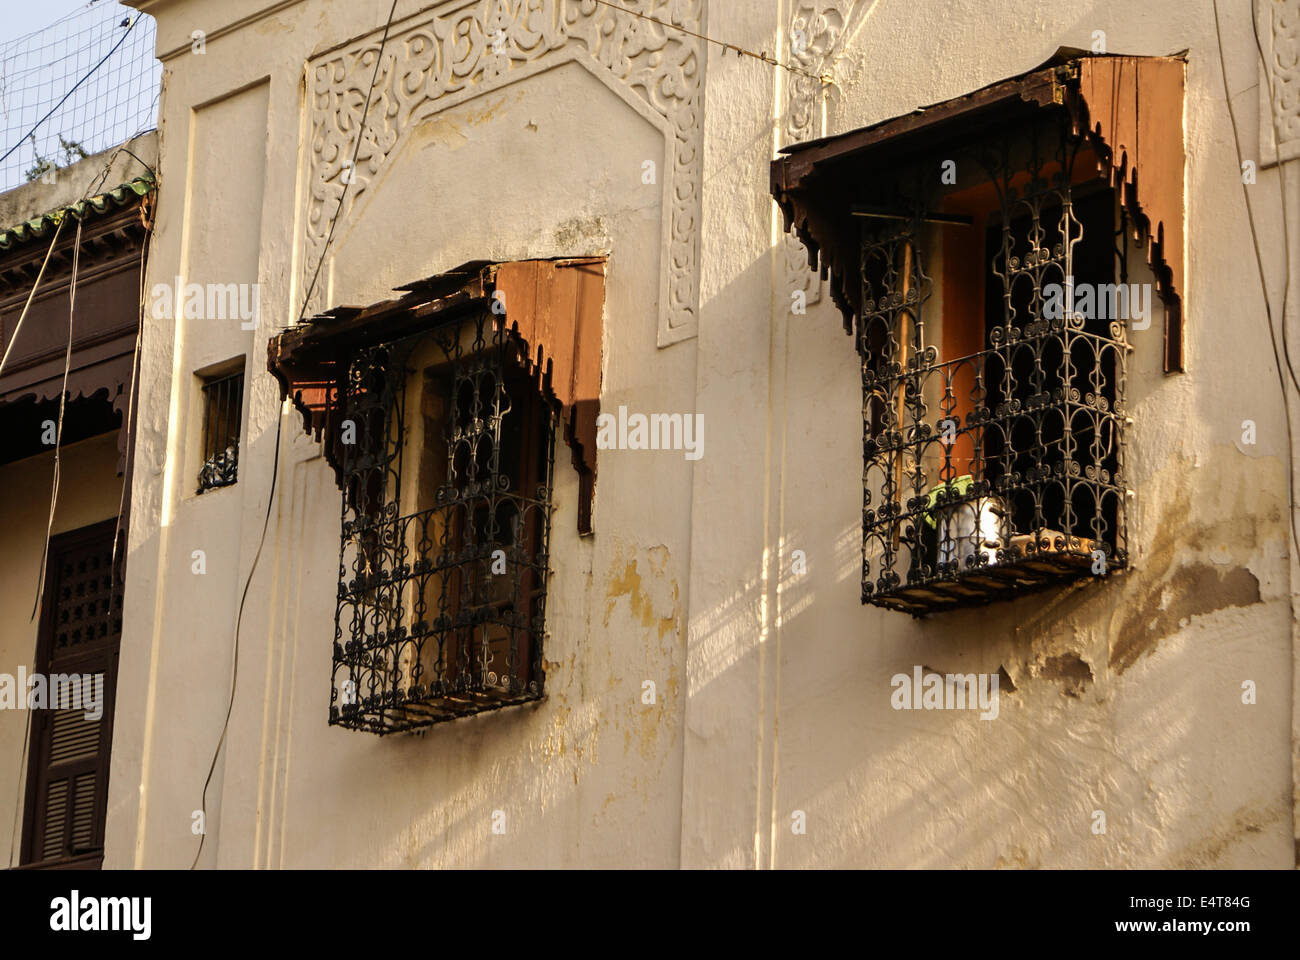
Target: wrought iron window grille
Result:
[999, 471]
[223, 402]
[445, 527]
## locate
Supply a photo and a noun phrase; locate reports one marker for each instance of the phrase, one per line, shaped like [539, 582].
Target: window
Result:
[442, 572]
[77, 649]
[439, 412]
[979, 251]
[993, 411]
[223, 405]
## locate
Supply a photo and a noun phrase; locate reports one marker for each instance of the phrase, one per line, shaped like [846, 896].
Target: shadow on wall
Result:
[1121, 737]
[1120, 707]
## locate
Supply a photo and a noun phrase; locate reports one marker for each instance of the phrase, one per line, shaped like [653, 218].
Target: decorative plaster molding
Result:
[462, 49]
[815, 28]
[1279, 37]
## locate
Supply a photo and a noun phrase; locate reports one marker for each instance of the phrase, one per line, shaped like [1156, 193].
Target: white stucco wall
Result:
[773, 689]
[1186, 773]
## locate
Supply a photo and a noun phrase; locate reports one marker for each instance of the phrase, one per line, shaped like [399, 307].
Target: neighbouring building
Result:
[71, 271]
[562, 440]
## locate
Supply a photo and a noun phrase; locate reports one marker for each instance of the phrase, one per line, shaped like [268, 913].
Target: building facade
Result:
[71, 271]
[507, 492]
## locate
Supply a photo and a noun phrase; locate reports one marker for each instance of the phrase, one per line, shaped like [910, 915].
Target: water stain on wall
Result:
[1190, 591]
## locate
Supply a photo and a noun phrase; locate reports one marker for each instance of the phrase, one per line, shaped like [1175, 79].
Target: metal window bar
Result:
[1000, 472]
[442, 580]
[223, 402]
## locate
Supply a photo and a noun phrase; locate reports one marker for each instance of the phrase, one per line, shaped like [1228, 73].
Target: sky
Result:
[22, 17]
[89, 79]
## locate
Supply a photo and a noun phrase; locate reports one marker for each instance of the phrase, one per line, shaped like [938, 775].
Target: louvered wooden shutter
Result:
[81, 626]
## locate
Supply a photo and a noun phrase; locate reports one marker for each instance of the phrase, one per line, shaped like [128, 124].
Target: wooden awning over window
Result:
[555, 307]
[1129, 108]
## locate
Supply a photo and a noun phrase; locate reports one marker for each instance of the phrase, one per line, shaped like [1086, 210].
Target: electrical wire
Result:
[121, 148]
[352, 166]
[13, 337]
[73, 89]
[128, 424]
[58, 433]
[239, 619]
[739, 51]
[1263, 283]
[275, 465]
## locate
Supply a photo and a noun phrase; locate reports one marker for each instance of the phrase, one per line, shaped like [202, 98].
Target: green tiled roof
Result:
[41, 226]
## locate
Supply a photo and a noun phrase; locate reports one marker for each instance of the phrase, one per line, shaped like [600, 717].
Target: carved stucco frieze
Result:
[816, 27]
[1278, 22]
[459, 50]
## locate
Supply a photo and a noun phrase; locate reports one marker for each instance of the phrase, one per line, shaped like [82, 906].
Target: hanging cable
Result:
[58, 433]
[352, 166]
[739, 51]
[128, 423]
[73, 89]
[239, 619]
[13, 337]
[1263, 283]
[275, 464]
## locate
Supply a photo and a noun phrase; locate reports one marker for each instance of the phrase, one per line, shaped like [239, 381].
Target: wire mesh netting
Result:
[100, 58]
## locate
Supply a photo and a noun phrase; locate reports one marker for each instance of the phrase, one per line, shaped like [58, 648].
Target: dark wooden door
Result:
[80, 632]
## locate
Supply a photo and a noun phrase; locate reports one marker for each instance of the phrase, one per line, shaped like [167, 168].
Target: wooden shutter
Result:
[80, 630]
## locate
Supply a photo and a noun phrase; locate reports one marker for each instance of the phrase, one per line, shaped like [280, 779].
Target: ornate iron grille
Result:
[1000, 471]
[223, 407]
[447, 455]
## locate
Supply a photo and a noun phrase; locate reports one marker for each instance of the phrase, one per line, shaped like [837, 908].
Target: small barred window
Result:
[223, 405]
